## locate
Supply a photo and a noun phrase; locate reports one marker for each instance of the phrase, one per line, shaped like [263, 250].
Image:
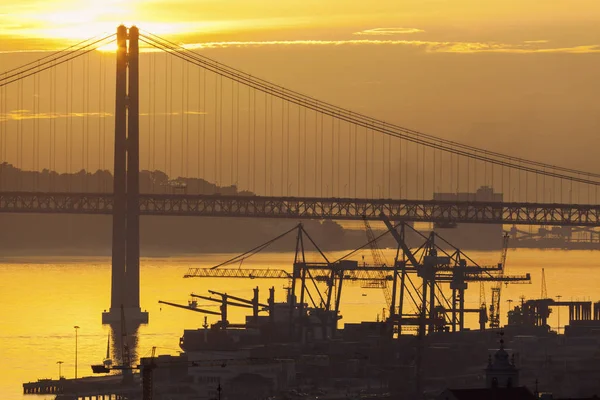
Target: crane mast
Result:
[544, 294]
[497, 289]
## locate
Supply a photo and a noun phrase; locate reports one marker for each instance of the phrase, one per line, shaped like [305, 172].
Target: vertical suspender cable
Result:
[254, 141]
[423, 177]
[322, 150]
[372, 135]
[182, 129]
[266, 148]
[237, 137]
[220, 131]
[3, 121]
[287, 151]
[70, 129]
[249, 146]
[52, 153]
[35, 131]
[150, 114]
[170, 119]
[101, 117]
[316, 135]
[299, 148]
[332, 182]
[166, 116]
[282, 135]
[355, 161]
[304, 160]
[67, 125]
[457, 174]
[19, 137]
[401, 170]
[233, 145]
[389, 166]
[366, 162]
[382, 166]
[186, 147]
[271, 148]
[215, 132]
[204, 108]
[86, 130]
[339, 134]
[202, 115]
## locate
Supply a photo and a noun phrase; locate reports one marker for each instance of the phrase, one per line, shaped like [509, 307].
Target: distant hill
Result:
[61, 234]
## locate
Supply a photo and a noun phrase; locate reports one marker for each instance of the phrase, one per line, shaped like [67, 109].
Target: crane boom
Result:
[229, 303]
[251, 273]
[399, 239]
[240, 299]
[378, 260]
[200, 310]
[320, 273]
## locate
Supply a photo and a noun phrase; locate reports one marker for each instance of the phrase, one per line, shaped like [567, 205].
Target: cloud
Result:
[19, 115]
[431, 46]
[428, 46]
[388, 31]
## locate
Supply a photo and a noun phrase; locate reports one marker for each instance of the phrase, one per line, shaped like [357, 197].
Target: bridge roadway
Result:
[445, 212]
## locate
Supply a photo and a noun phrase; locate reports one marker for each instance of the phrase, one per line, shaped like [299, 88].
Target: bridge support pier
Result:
[125, 282]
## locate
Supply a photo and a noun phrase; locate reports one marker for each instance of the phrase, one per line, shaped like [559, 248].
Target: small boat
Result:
[104, 368]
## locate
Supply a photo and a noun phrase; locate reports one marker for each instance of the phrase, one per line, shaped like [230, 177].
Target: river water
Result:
[42, 300]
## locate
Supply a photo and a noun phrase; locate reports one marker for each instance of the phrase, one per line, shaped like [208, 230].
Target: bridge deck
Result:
[447, 212]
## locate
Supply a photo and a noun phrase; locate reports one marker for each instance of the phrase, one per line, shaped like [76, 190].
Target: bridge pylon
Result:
[125, 280]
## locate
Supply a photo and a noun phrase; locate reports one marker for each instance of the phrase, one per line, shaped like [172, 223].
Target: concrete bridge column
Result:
[125, 282]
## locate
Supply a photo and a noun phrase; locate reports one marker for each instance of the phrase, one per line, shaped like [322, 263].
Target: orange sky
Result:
[503, 25]
[514, 76]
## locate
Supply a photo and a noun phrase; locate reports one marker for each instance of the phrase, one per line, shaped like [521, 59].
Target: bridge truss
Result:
[309, 208]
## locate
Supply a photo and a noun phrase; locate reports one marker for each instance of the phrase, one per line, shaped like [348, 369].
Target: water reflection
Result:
[124, 342]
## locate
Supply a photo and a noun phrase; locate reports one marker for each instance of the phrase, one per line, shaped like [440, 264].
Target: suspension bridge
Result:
[216, 141]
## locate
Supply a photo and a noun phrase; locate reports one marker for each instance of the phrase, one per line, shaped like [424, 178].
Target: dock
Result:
[88, 388]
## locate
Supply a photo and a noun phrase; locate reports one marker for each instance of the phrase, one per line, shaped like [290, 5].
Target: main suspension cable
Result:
[304, 100]
[379, 126]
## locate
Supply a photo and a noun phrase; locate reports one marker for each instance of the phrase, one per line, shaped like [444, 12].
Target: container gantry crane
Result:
[306, 277]
[429, 262]
[435, 266]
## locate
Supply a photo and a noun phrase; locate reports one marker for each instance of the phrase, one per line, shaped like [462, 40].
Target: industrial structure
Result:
[429, 263]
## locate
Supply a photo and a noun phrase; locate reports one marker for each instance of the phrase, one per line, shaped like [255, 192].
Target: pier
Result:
[89, 388]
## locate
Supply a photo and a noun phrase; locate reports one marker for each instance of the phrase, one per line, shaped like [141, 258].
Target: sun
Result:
[65, 22]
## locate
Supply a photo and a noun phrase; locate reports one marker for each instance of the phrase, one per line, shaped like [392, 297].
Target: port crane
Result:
[429, 262]
[305, 277]
[226, 300]
[436, 266]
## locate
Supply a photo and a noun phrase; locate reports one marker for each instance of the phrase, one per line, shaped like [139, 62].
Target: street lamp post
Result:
[59, 370]
[76, 328]
[558, 297]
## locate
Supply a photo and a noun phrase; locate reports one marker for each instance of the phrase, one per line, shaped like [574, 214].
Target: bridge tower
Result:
[125, 280]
